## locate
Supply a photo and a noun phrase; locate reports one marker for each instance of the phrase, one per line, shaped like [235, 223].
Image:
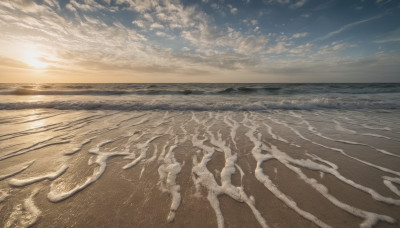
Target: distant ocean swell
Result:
[199, 89]
[312, 104]
[200, 97]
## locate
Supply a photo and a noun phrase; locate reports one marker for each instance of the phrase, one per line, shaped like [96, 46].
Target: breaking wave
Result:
[204, 105]
[197, 89]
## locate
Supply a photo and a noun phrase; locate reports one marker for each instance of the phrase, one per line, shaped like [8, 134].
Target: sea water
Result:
[200, 97]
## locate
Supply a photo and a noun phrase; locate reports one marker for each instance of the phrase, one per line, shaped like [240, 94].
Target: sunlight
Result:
[35, 120]
[32, 56]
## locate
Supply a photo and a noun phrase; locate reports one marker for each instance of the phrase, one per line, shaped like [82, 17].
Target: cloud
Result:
[11, 63]
[148, 17]
[301, 49]
[357, 7]
[293, 4]
[138, 23]
[156, 26]
[53, 3]
[278, 1]
[250, 45]
[334, 47]
[298, 4]
[299, 35]
[214, 6]
[140, 6]
[278, 48]
[87, 5]
[233, 10]
[382, 1]
[346, 27]
[26, 6]
[163, 36]
[340, 70]
[393, 36]
[85, 42]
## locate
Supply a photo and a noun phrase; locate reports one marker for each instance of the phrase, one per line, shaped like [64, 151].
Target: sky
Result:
[204, 41]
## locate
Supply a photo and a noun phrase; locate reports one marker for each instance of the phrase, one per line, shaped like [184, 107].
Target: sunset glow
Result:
[200, 41]
[200, 113]
[34, 58]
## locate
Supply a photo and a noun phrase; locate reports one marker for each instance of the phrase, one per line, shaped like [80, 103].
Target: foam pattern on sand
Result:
[24, 214]
[49, 176]
[247, 157]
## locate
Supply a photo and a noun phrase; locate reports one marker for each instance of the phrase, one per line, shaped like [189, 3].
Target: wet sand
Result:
[199, 169]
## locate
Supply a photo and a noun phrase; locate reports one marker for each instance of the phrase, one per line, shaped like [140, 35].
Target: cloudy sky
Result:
[199, 41]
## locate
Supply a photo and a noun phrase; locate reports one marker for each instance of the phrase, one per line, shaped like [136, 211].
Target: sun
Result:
[37, 64]
[33, 57]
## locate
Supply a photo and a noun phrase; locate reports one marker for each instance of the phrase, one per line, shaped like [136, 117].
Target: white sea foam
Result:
[34, 147]
[215, 103]
[388, 181]
[354, 143]
[376, 127]
[315, 166]
[24, 167]
[315, 132]
[48, 176]
[316, 158]
[261, 158]
[168, 172]
[25, 214]
[141, 172]
[376, 135]
[55, 196]
[3, 195]
[339, 127]
[143, 147]
[155, 154]
[162, 154]
[73, 148]
[335, 149]
[277, 137]
[203, 177]
[370, 218]
[234, 126]
[241, 174]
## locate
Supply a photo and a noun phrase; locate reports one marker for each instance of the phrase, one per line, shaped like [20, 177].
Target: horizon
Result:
[173, 41]
[296, 83]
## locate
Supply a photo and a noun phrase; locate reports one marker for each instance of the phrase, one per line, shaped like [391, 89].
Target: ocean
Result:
[200, 97]
[200, 155]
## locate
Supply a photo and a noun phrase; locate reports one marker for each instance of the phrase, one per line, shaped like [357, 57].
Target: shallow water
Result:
[186, 168]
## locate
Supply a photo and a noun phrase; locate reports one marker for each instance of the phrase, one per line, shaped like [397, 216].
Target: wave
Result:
[250, 90]
[23, 91]
[204, 105]
[197, 89]
[169, 92]
[32, 92]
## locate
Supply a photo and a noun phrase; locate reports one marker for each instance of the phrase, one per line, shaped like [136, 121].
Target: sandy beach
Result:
[199, 169]
[199, 114]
